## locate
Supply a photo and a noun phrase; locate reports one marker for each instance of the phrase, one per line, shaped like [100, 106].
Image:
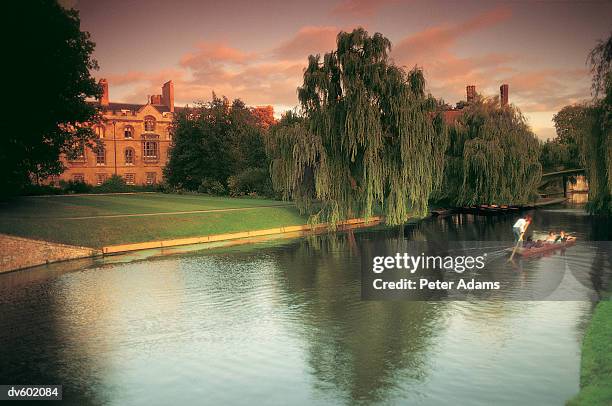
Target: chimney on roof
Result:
[168, 95]
[471, 93]
[156, 99]
[503, 95]
[104, 97]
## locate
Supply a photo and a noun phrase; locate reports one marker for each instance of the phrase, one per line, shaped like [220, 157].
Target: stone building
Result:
[136, 139]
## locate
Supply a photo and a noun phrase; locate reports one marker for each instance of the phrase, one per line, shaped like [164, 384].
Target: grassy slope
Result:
[41, 218]
[596, 365]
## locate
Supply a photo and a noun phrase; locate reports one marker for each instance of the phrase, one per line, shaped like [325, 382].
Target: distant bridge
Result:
[565, 172]
[548, 177]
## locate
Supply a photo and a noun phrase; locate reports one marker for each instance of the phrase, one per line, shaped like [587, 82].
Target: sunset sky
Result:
[256, 50]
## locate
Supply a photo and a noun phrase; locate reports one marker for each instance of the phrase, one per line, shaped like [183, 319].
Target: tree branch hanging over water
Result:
[596, 144]
[369, 137]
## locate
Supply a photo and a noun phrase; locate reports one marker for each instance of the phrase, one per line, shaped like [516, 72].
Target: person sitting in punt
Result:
[562, 237]
[552, 237]
[530, 243]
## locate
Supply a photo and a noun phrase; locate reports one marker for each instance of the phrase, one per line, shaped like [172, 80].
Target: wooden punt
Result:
[544, 248]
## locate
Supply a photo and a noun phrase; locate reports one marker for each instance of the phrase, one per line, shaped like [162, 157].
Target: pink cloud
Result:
[236, 74]
[214, 52]
[535, 91]
[272, 77]
[549, 89]
[448, 73]
[132, 77]
[359, 8]
[256, 83]
[438, 39]
[308, 40]
[119, 79]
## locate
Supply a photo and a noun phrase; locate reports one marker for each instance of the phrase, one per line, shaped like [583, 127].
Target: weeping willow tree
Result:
[596, 142]
[368, 137]
[492, 158]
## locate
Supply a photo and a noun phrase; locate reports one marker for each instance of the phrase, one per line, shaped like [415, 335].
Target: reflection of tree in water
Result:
[463, 227]
[600, 274]
[593, 268]
[361, 348]
[598, 277]
[354, 346]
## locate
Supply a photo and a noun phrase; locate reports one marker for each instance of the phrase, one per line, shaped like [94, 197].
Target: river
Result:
[283, 323]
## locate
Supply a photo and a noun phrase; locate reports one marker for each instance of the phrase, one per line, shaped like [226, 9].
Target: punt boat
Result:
[542, 249]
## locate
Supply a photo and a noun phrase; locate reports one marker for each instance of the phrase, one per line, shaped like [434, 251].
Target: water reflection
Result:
[282, 323]
[579, 197]
[357, 350]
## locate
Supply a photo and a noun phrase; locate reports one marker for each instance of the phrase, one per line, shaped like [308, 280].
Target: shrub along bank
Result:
[114, 184]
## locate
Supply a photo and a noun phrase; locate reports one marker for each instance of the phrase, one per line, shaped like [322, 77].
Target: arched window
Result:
[100, 156]
[99, 129]
[149, 123]
[128, 131]
[129, 156]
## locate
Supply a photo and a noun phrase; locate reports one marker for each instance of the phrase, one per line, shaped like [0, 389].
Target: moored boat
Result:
[442, 212]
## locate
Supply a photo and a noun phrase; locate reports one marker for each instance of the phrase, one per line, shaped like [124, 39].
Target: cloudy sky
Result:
[256, 50]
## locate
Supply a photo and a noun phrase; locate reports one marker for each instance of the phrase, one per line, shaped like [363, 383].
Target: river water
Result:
[283, 323]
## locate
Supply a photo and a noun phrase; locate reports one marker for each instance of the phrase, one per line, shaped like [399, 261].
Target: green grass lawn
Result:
[53, 218]
[596, 364]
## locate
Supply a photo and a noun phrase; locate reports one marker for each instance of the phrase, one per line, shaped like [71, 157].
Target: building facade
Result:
[135, 137]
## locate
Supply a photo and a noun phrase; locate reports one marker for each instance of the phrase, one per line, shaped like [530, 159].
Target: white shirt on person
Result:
[520, 224]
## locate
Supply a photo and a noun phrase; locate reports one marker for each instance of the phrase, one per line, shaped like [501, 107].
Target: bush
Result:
[165, 187]
[212, 187]
[252, 181]
[73, 186]
[38, 190]
[114, 184]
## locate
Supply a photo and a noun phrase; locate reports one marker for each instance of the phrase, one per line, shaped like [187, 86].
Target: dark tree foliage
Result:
[562, 152]
[589, 126]
[280, 146]
[493, 157]
[51, 64]
[555, 156]
[246, 135]
[600, 60]
[369, 136]
[212, 142]
[596, 144]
